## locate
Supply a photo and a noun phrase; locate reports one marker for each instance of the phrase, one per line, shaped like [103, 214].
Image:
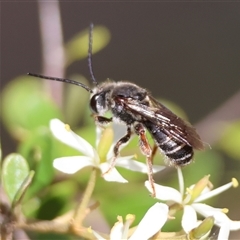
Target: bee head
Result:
[99, 100]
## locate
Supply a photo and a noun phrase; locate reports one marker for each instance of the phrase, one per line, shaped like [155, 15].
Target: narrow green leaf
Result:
[14, 171]
[77, 47]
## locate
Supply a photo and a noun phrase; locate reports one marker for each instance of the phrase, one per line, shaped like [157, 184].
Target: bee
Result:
[140, 112]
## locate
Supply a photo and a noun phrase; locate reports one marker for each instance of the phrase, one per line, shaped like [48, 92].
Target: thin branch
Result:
[60, 225]
[52, 46]
[209, 127]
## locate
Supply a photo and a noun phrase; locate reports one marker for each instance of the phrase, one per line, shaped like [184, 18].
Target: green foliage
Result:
[230, 140]
[77, 47]
[26, 106]
[38, 148]
[14, 172]
[124, 202]
[205, 162]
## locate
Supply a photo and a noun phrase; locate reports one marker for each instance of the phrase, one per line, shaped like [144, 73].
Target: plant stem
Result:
[80, 211]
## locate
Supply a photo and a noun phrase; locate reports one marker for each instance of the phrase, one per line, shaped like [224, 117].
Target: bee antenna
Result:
[62, 80]
[90, 54]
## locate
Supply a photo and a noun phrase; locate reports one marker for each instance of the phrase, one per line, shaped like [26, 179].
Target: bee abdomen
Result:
[179, 153]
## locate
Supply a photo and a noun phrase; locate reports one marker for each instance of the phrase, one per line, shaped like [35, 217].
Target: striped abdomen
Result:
[178, 152]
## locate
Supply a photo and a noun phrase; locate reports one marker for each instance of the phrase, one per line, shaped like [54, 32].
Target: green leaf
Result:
[14, 171]
[60, 197]
[26, 107]
[21, 191]
[77, 48]
[38, 148]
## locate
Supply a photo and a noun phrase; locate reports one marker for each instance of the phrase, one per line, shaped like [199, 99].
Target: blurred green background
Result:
[187, 53]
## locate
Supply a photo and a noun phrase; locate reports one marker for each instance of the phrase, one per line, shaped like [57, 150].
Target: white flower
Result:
[190, 202]
[99, 157]
[151, 223]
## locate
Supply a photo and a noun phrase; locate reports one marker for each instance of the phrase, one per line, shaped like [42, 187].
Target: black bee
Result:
[135, 107]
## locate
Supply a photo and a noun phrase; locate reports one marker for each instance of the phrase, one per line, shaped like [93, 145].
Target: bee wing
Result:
[170, 123]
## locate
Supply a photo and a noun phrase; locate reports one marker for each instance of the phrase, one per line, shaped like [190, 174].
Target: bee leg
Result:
[125, 139]
[102, 121]
[154, 150]
[147, 151]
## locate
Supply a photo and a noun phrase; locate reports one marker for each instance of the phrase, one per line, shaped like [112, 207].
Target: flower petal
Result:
[70, 138]
[220, 217]
[70, 165]
[128, 163]
[189, 219]
[113, 175]
[234, 225]
[99, 131]
[208, 211]
[152, 222]
[224, 232]
[165, 193]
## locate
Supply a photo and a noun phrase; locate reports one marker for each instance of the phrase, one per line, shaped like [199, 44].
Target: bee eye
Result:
[98, 103]
[93, 103]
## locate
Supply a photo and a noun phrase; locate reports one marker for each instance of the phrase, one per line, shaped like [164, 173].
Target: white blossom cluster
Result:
[189, 199]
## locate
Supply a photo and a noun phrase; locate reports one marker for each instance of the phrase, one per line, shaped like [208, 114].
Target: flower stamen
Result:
[120, 219]
[67, 127]
[235, 182]
[130, 217]
[225, 210]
